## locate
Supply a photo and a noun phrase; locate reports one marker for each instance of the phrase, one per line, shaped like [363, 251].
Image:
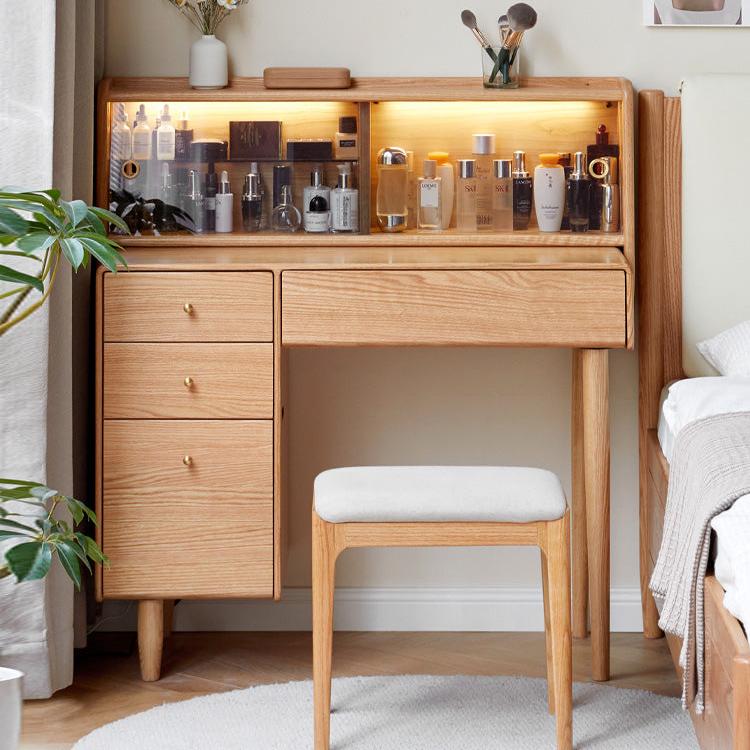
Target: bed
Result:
[694, 265]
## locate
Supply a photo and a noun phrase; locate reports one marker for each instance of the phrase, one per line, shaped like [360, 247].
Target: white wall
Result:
[459, 406]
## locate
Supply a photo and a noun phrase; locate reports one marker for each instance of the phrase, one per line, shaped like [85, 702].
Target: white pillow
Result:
[729, 352]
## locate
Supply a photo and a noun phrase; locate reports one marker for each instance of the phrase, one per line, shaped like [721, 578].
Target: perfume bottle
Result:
[412, 199]
[466, 197]
[345, 202]
[523, 192]
[447, 176]
[282, 175]
[430, 206]
[165, 137]
[183, 138]
[484, 152]
[212, 187]
[594, 151]
[607, 191]
[579, 194]
[502, 196]
[224, 205]
[285, 216]
[265, 208]
[141, 136]
[565, 163]
[346, 143]
[317, 203]
[391, 203]
[252, 203]
[194, 202]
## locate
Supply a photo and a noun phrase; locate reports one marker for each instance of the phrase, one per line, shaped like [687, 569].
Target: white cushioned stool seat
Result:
[397, 494]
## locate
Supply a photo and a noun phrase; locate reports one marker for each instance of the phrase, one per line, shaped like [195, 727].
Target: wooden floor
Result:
[108, 687]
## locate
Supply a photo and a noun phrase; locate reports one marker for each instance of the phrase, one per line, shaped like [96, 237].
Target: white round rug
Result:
[414, 712]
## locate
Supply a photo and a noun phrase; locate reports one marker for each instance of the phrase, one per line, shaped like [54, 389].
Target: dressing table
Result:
[190, 341]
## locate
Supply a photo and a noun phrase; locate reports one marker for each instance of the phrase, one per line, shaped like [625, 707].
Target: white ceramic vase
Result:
[10, 708]
[209, 67]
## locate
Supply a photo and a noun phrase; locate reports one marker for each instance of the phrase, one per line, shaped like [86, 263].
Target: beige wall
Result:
[438, 406]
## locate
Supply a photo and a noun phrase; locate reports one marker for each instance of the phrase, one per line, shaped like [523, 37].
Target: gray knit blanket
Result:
[710, 469]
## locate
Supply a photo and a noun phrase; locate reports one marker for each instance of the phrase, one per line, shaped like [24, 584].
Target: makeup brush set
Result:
[512, 26]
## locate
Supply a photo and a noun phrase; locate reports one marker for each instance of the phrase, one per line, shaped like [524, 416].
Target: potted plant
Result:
[37, 523]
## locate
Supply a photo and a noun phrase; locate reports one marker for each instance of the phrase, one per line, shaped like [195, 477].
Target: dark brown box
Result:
[309, 150]
[254, 140]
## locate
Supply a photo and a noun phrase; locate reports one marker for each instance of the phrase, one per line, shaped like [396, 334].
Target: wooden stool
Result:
[433, 506]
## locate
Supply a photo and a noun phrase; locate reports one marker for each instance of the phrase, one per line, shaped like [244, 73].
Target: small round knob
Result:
[187, 460]
[188, 308]
[188, 382]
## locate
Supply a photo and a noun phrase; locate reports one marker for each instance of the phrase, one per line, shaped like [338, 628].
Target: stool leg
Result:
[558, 567]
[323, 584]
[548, 637]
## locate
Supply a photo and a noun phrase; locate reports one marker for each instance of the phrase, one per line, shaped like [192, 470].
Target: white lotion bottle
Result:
[345, 202]
[549, 193]
[142, 136]
[224, 204]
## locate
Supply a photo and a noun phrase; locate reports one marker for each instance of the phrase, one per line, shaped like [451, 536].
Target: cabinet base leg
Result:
[150, 638]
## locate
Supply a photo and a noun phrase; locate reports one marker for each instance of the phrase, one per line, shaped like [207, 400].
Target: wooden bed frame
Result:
[725, 724]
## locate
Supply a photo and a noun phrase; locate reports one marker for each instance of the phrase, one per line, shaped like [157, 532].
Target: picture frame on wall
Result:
[717, 13]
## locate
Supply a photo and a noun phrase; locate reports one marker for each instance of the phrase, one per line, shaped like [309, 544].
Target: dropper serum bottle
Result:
[523, 192]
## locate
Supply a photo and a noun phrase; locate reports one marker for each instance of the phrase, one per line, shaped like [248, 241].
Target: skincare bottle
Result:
[412, 197]
[345, 202]
[466, 197]
[430, 207]
[122, 139]
[579, 194]
[194, 202]
[502, 196]
[317, 203]
[285, 217]
[265, 208]
[252, 203]
[484, 152]
[346, 143]
[163, 215]
[447, 177]
[167, 192]
[210, 195]
[183, 137]
[141, 136]
[549, 193]
[165, 137]
[155, 138]
[392, 198]
[602, 147]
[565, 163]
[224, 205]
[282, 175]
[523, 192]
[605, 171]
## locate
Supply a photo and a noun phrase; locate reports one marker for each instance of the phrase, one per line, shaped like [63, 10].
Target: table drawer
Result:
[458, 307]
[188, 306]
[188, 381]
[176, 528]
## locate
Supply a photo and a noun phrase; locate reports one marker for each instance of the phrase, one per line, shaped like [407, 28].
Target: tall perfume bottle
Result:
[430, 207]
[502, 196]
[345, 202]
[141, 136]
[447, 176]
[212, 187]
[391, 203]
[165, 137]
[194, 202]
[224, 205]
[252, 203]
[317, 203]
[466, 197]
[604, 170]
[523, 192]
[595, 151]
[266, 208]
[286, 217]
[484, 153]
[579, 194]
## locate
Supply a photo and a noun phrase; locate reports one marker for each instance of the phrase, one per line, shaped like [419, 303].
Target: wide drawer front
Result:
[188, 306]
[578, 308]
[188, 381]
[188, 509]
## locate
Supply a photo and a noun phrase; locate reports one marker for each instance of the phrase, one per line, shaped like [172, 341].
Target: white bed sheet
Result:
[686, 401]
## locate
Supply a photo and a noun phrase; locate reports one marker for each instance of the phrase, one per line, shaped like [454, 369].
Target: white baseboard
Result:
[384, 609]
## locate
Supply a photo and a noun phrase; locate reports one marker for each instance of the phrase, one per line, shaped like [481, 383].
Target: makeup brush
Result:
[521, 18]
[503, 26]
[470, 21]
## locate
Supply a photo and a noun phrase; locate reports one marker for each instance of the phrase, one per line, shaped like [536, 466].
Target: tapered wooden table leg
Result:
[595, 368]
[578, 504]
[150, 638]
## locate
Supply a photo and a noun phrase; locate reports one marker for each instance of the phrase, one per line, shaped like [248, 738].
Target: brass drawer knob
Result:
[188, 308]
[189, 382]
[187, 460]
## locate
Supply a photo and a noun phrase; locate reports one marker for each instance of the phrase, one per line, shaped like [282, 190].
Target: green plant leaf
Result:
[5, 534]
[74, 251]
[12, 223]
[69, 561]
[43, 493]
[75, 211]
[78, 550]
[92, 548]
[17, 525]
[35, 242]
[96, 223]
[29, 561]
[104, 254]
[19, 482]
[105, 215]
[16, 277]
[53, 193]
[10, 194]
[77, 507]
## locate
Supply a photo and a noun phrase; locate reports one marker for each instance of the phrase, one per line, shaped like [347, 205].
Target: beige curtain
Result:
[47, 63]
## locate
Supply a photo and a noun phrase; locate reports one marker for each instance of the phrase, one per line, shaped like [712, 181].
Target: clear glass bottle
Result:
[466, 196]
[578, 197]
[345, 202]
[165, 137]
[285, 216]
[484, 152]
[430, 205]
[317, 203]
[141, 136]
[391, 203]
[122, 139]
[502, 196]
[523, 192]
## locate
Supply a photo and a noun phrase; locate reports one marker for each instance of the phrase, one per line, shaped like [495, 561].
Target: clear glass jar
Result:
[286, 217]
[502, 68]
